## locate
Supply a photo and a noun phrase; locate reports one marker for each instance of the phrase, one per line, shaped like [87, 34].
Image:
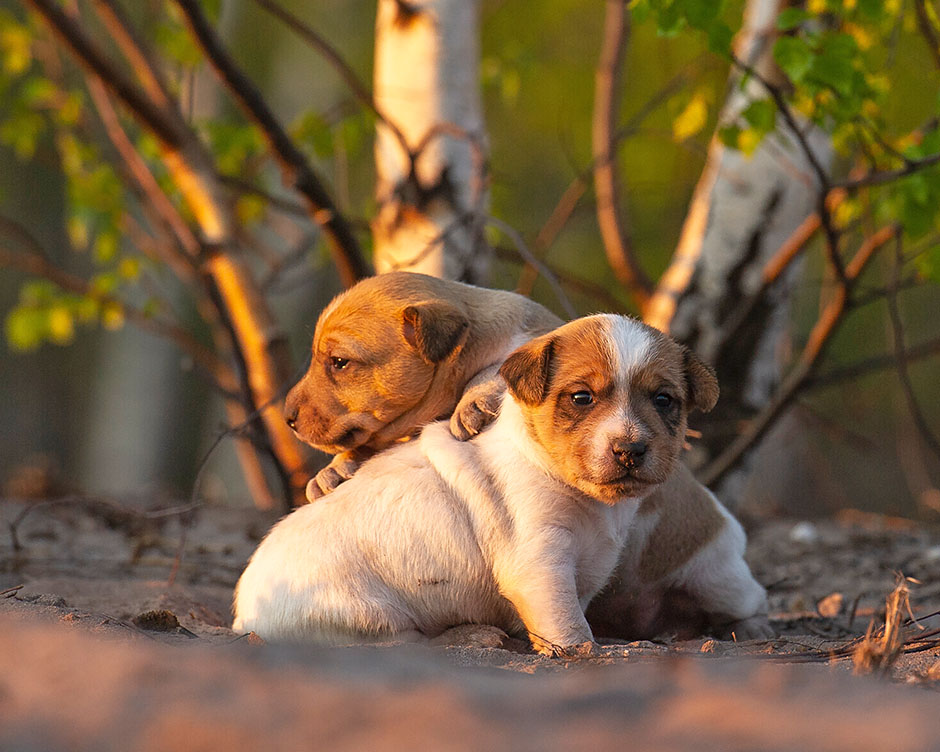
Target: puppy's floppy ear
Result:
[703, 383]
[434, 328]
[527, 370]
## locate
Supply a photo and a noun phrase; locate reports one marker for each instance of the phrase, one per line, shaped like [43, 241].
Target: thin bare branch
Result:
[578, 186]
[897, 328]
[510, 232]
[600, 295]
[888, 176]
[94, 60]
[333, 57]
[913, 353]
[830, 318]
[927, 22]
[136, 52]
[822, 175]
[297, 170]
[145, 181]
[607, 85]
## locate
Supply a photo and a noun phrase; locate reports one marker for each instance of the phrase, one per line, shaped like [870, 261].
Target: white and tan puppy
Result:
[520, 527]
[397, 351]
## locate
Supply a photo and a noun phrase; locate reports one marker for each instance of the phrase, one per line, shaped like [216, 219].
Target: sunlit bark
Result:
[743, 210]
[430, 188]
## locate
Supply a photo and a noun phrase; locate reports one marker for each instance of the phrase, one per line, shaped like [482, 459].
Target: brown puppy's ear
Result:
[527, 370]
[703, 383]
[434, 328]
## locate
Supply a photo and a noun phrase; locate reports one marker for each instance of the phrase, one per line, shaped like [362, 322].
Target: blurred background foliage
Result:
[94, 407]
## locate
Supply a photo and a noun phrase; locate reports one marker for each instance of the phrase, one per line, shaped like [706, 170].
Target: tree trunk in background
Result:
[431, 201]
[742, 211]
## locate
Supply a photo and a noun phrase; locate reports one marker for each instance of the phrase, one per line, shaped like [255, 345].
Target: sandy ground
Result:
[114, 627]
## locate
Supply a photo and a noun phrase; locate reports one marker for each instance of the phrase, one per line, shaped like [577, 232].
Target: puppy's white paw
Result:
[581, 650]
[478, 407]
[341, 468]
[755, 627]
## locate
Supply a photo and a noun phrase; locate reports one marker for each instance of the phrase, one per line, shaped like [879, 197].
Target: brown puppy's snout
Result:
[292, 408]
[629, 453]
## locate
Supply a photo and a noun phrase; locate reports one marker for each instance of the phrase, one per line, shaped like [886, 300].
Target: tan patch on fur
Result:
[412, 343]
[688, 522]
[581, 358]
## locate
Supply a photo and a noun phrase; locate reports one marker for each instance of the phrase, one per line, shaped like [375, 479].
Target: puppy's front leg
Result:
[546, 598]
[341, 468]
[479, 404]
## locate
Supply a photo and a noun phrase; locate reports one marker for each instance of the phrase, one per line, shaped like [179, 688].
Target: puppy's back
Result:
[388, 552]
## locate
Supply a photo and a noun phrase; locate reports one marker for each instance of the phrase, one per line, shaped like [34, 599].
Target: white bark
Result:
[427, 80]
[743, 209]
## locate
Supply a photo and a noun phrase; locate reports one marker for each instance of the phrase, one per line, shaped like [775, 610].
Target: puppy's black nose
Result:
[291, 419]
[630, 453]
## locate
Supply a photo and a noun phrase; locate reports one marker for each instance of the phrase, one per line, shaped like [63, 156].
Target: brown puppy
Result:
[395, 352]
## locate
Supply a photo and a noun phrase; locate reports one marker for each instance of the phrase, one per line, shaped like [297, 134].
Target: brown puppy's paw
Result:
[478, 407]
[755, 627]
[341, 468]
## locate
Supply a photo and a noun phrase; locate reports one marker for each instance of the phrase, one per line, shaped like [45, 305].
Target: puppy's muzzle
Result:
[629, 454]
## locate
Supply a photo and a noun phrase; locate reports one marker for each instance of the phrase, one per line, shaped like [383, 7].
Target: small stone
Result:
[157, 621]
[804, 532]
[831, 606]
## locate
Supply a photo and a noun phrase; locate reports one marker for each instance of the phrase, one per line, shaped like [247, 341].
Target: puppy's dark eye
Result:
[662, 400]
[339, 364]
[582, 398]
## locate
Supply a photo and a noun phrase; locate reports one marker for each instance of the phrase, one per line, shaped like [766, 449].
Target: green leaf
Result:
[761, 114]
[794, 56]
[640, 9]
[720, 37]
[834, 65]
[790, 18]
[700, 14]
[728, 135]
[873, 9]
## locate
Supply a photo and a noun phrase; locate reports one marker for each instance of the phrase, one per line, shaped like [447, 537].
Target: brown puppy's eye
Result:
[339, 364]
[662, 401]
[582, 398]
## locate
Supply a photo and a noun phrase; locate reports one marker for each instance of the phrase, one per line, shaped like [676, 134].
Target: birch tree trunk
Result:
[430, 151]
[743, 210]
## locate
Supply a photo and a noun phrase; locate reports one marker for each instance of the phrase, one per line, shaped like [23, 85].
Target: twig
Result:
[600, 294]
[510, 232]
[928, 29]
[345, 71]
[827, 324]
[897, 327]
[887, 176]
[578, 186]
[92, 58]
[822, 175]
[294, 165]
[607, 87]
[928, 349]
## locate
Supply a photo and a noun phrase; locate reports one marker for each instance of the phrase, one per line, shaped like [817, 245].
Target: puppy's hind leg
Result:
[720, 582]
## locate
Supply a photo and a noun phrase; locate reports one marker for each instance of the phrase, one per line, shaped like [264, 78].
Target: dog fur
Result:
[397, 351]
[523, 525]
